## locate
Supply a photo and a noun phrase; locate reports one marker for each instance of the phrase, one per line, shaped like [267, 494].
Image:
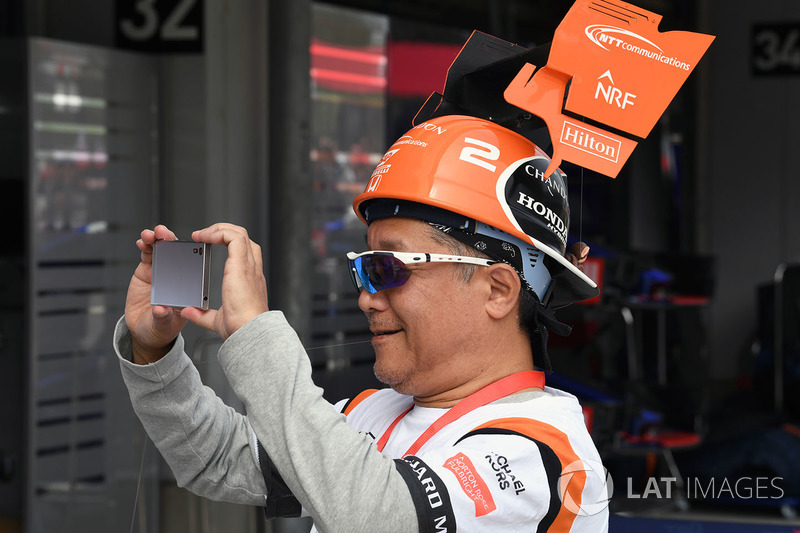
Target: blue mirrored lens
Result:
[378, 271]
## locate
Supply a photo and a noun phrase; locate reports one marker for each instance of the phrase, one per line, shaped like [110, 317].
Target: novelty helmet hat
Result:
[484, 185]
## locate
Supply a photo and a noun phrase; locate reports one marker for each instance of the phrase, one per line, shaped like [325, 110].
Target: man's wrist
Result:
[143, 355]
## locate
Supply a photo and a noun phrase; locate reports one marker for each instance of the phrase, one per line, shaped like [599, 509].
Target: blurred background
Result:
[118, 115]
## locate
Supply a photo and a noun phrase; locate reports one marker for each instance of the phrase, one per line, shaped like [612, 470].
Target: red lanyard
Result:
[494, 391]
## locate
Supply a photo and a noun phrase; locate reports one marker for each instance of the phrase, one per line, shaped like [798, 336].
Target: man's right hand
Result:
[153, 328]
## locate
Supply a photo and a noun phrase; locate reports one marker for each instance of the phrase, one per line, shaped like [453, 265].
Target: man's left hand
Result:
[577, 254]
[244, 288]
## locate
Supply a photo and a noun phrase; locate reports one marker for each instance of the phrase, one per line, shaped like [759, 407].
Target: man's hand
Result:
[577, 254]
[244, 288]
[153, 328]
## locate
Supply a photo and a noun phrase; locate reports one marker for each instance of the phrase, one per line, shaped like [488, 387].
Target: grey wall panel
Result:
[80, 278]
[86, 407]
[751, 190]
[69, 376]
[93, 187]
[78, 300]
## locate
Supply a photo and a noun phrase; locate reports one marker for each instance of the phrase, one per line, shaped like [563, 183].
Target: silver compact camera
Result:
[181, 274]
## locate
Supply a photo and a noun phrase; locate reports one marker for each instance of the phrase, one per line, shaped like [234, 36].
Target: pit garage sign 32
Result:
[162, 26]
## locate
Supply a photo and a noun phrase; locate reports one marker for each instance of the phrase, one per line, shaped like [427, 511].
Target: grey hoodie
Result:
[211, 448]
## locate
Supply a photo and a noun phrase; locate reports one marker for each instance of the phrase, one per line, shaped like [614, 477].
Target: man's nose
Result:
[369, 302]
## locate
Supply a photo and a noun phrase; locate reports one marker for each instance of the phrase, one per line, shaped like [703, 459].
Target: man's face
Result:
[427, 332]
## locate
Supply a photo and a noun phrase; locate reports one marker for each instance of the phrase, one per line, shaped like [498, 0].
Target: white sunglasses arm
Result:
[422, 257]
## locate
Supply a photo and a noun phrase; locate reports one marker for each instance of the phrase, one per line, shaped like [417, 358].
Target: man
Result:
[467, 438]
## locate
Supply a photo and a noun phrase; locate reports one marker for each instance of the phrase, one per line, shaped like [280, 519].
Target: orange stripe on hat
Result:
[559, 442]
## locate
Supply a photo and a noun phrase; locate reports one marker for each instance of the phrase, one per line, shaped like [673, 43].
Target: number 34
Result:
[776, 49]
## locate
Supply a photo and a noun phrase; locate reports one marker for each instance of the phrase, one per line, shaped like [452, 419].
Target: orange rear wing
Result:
[608, 63]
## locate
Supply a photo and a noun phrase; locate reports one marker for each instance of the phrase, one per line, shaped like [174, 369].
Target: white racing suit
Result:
[523, 463]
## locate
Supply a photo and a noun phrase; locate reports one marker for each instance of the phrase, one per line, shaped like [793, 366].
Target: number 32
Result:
[172, 30]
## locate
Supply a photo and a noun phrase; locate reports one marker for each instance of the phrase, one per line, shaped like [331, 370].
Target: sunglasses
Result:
[375, 271]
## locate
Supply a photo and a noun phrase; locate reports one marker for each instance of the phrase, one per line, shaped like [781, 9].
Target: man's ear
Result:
[504, 286]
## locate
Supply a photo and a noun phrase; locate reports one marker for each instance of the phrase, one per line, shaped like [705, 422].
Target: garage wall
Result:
[748, 171]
